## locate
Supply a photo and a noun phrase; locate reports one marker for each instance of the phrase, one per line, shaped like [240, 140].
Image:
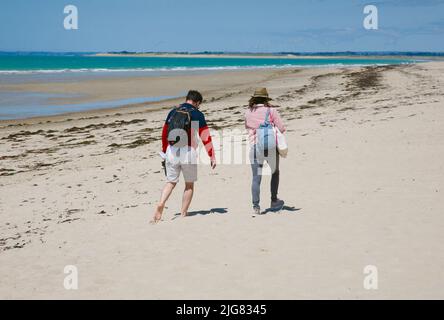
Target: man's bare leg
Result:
[187, 197]
[166, 192]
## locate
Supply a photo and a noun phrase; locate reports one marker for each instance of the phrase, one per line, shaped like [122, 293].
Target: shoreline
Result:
[209, 84]
[109, 89]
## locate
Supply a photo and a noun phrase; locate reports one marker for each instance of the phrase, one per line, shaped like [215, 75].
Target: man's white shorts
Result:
[183, 159]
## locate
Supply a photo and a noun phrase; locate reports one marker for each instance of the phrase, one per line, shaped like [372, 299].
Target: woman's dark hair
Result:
[257, 100]
[195, 96]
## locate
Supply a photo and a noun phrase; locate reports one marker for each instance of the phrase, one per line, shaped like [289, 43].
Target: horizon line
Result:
[230, 52]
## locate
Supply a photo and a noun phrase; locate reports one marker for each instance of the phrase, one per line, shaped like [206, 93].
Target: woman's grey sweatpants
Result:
[257, 161]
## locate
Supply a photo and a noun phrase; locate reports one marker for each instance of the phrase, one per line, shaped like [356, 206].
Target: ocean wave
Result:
[139, 69]
[172, 69]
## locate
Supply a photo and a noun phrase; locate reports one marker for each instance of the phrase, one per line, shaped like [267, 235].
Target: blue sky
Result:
[223, 25]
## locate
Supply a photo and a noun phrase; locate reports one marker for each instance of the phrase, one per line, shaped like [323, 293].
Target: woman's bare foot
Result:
[183, 215]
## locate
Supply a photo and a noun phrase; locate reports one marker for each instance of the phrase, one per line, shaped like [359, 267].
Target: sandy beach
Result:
[363, 185]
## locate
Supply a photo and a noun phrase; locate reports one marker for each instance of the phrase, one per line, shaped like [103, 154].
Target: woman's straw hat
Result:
[261, 93]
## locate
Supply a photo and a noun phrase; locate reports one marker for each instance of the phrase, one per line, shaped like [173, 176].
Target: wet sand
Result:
[116, 88]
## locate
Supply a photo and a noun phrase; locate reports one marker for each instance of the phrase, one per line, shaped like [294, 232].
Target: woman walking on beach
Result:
[261, 112]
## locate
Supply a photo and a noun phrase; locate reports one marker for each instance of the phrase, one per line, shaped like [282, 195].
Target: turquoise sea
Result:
[34, 67]
[26, 64]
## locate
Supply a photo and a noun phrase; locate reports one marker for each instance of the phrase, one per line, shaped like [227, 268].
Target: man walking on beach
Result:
[179, 144]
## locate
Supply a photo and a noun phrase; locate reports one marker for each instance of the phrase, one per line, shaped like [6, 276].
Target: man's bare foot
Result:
[183, 215]
[157, 214]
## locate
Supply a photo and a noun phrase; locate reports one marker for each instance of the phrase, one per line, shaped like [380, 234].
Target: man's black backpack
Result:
[180, 122]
